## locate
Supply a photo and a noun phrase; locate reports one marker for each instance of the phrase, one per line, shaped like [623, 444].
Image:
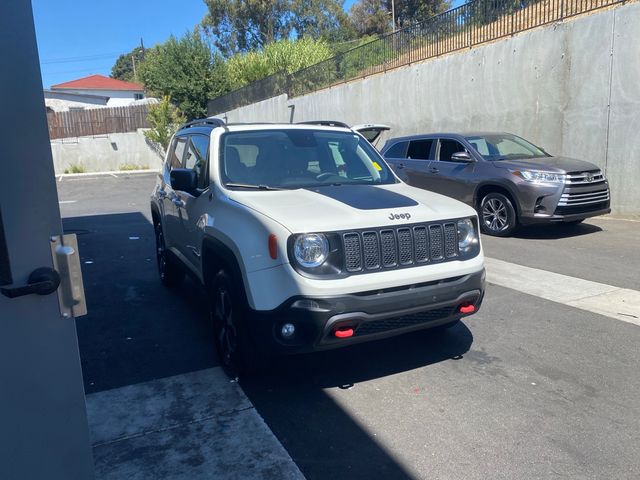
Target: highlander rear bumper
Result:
[369, 315]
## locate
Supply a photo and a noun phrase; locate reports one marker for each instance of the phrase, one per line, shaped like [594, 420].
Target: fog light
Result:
[287, 330]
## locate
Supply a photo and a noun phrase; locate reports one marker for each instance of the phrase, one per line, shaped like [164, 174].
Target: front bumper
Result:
[543, 204]
[371, 315]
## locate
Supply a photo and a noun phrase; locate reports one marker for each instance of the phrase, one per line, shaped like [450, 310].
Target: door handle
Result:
[400, 165]
[434, 170]
[42, 281]
[162, 193]
[178, 202]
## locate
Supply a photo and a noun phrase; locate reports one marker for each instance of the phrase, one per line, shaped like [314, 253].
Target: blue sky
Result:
[102, 30]
[76, 39]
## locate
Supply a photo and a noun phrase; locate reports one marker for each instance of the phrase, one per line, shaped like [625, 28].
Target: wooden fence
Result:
[97, 121]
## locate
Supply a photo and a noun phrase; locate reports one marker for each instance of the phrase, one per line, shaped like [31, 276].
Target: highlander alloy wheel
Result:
[498, 217]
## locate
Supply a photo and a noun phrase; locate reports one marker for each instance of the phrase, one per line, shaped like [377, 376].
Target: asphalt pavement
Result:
[527, 388]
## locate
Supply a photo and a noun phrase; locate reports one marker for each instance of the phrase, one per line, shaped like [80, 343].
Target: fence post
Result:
[561, 9]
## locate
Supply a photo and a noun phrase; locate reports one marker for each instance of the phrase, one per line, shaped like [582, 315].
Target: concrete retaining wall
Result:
[105, 153]
[572, 88]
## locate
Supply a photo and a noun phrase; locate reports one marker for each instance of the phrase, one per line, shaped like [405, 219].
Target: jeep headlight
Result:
[311, 249]
[539, 177]
[467, 236]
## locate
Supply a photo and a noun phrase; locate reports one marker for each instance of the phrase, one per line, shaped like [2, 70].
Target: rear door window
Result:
[420, 149]
[397, 150]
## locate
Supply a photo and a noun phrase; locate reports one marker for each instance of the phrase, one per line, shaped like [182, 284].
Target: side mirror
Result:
[184, 180]
[462, 157]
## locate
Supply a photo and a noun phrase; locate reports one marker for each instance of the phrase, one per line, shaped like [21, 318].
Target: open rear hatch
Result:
[371, 131]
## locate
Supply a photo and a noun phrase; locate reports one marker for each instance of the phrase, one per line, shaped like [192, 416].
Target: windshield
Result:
[289, 158]
[504, 146]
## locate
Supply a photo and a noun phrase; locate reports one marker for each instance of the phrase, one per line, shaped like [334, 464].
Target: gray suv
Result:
[508, 180]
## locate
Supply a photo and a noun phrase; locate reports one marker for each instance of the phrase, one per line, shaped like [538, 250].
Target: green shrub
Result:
[286, 55]
[75, 168]
[132, 166]
[164, 120]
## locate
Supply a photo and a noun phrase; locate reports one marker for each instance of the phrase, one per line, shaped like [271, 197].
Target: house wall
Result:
[117, 98]
[89, 99]
[106, 152]
[570, 87]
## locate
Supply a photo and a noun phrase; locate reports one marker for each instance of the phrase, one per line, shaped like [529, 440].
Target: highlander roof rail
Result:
[325, 123]
[215, 122]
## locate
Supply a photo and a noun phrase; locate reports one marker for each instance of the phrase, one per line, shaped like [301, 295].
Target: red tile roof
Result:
[99, 82]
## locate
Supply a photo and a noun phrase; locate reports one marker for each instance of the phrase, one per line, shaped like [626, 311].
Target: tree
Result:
[240, 26]
[373, 17]
[164, 119]
[187, 70]
[412, 11]
[123, 68]
[321, 19]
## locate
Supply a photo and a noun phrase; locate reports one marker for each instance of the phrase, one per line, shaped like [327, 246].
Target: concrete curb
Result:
[112, 173]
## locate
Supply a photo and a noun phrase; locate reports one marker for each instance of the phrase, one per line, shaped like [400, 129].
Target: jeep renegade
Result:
[305, 239]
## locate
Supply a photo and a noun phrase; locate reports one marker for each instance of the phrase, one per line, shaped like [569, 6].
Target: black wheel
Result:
[235, 350]
[497, 215]
[170, 274]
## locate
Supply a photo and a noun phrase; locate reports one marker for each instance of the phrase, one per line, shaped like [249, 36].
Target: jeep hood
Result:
[345, 207]
[547, 164]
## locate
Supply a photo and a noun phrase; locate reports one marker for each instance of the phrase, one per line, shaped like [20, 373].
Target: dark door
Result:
[413, 166]
[450, 177]
[43, 424]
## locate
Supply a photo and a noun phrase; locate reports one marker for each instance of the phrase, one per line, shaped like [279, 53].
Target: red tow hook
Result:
[467, 308]
[343, 332]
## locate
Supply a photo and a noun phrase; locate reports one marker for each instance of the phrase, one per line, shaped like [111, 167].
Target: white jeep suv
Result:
[305, 239]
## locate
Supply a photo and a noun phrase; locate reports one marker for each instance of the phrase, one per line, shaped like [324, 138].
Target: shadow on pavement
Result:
[319, 434]
[555, 231]
[137, 330]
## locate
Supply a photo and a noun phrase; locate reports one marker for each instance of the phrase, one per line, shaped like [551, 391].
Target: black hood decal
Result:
[365, 197]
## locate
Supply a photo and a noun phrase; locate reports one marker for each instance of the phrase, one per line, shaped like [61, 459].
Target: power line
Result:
[93, 69]
[79, 59]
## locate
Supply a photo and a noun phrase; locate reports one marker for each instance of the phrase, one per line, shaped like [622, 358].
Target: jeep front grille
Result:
[387, 248]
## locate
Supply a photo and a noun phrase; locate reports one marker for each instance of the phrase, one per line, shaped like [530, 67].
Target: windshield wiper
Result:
[253, 187]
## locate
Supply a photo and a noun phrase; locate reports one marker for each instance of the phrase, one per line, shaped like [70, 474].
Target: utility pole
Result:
[135, 73]
[393, 14]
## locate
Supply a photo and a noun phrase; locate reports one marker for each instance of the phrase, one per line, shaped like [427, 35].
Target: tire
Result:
[497, 215]
[237, 353]
[171, 275]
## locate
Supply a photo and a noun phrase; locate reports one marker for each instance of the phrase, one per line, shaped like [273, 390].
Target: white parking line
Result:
[619, 303]
[193, 426]
[61, 202]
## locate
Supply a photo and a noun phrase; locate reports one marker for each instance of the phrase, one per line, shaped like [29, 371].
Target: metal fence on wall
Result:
[471, 24]
[97, 121]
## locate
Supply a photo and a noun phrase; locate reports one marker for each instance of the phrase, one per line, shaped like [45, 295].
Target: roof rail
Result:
[325, 123]
[215, 122]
